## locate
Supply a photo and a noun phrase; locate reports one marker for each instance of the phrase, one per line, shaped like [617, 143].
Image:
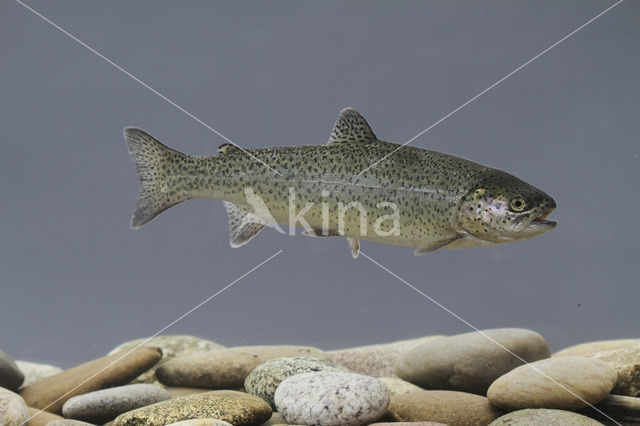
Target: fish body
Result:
[415, 197]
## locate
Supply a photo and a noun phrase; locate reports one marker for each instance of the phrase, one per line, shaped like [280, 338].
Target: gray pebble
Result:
[10, 375]
[104, 405]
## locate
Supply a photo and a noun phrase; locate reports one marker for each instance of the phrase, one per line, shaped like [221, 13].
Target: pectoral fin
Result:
[435, 245]
[243, 225]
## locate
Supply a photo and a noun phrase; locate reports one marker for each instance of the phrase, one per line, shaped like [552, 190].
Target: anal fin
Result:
[435, 245]
[243, 225]
[354, 245]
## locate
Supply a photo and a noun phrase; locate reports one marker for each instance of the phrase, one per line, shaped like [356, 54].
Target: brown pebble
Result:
[114, 370]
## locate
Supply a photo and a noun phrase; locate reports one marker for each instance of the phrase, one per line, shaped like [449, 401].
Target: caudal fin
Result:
[153, 162]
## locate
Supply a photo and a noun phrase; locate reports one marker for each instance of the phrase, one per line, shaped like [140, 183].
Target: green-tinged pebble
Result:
[237, 408]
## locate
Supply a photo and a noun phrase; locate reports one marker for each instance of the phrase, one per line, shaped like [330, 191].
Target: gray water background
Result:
[76, 281]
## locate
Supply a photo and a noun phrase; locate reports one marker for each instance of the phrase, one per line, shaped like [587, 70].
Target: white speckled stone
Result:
[13, 409]
[265, 378]
[107, 404]
[331, 398]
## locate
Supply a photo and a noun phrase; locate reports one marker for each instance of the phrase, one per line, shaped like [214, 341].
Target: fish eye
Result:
[517, 204]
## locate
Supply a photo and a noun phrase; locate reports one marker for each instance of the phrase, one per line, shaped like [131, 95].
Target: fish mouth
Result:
[540, 222]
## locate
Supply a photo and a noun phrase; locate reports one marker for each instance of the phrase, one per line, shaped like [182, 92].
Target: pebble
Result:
[449, 407]
[267, 352]
[470, 362]
[10, 375]
[544, 417]
[176, 391]
[525, 387]
[624, 355]
[225, 368]
[234, 407]
[68, 422]
[275, 419]
[376, 360]
[113, 370]
[34, 371]
[331, 398]
[408, 424]
[201, 422]
[172, 346]
[13, 409]
[107, 404]
[41, 418]
[398, 386]
[265, 378]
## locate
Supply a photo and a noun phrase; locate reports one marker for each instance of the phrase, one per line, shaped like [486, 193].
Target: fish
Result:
[415, 197]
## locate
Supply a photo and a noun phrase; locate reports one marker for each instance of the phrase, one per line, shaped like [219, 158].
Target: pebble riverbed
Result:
[495, 377]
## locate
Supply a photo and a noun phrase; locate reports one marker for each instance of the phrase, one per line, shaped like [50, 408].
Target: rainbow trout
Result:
[415, 197]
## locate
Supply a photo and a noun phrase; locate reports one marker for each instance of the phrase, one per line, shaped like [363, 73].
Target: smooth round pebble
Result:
[265, 378]
[225, 368]
[408, 424]
[449, 407]
[544, 417]
[68, 422]
[35, 371]
[113, 370]
[104, 405]
[398, 386]
[41, 418]
[10, 375]
[201, 422]
[237, 408]
[376, 360]
[470, 362]
[13, 409]
[172, 346]
[531, 386]
[331, 398]
[623, 355]
[176, 392]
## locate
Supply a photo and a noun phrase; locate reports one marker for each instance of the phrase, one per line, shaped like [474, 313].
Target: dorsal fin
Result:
[225, 148]
[351, 127]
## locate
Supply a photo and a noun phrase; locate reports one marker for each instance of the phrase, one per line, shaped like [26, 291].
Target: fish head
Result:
[503, 208]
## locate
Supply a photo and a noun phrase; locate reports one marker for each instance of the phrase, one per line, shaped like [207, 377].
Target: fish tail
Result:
[152, 160]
